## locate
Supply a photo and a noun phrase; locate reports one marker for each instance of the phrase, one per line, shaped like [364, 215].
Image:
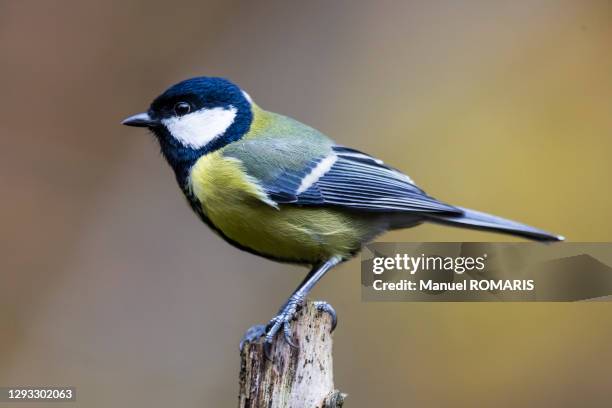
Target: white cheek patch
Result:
[199, 128]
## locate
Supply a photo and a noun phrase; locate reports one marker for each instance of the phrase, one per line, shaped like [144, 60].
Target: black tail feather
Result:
[482, 221]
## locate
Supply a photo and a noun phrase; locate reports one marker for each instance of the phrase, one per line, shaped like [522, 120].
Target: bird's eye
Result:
[182, 108]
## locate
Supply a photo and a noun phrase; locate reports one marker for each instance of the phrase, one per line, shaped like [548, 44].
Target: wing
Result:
[353, 179]
[335, 176]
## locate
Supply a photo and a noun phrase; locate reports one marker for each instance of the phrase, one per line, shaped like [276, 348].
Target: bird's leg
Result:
[290, 308]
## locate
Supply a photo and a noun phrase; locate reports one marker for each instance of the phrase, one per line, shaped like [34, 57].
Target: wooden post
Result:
[295, 378]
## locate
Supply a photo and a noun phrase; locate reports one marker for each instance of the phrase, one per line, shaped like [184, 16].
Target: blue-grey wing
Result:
[349, 178]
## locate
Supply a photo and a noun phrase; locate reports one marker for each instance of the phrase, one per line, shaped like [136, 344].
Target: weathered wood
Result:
[295, 378]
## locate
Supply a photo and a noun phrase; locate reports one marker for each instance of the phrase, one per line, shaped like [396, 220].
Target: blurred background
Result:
[109, 283]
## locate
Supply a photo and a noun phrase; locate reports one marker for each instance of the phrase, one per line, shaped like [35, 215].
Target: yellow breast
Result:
[238, 206]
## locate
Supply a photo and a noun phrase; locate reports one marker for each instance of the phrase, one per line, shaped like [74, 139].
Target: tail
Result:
[481, 221]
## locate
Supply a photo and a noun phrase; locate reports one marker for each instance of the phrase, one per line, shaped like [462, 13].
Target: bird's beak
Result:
[140, 120]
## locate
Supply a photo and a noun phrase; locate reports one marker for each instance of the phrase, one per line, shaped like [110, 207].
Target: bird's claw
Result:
[323, 306]
[282, 320]
[253, 334]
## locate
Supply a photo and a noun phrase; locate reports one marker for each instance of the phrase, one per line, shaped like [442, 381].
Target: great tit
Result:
[278, 188]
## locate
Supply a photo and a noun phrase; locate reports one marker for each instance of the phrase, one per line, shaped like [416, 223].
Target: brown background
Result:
[109, 283]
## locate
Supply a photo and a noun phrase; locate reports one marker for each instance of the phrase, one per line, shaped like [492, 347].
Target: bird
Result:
[275, 187]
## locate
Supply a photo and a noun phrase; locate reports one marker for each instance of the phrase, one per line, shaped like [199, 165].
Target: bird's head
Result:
[195, 117]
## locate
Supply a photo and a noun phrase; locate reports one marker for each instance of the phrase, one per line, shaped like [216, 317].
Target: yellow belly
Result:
[239, 208]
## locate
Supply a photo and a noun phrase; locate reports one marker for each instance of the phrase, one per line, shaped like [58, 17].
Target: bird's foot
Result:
[283, 320]
[286, 315]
